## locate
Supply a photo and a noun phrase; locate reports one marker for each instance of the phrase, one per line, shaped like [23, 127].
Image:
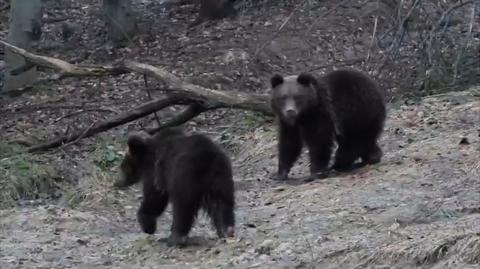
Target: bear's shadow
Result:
[195, 241]
[306, 179]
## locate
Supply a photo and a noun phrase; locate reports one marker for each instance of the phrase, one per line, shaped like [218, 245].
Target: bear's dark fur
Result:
[190, 171]
[345, 105]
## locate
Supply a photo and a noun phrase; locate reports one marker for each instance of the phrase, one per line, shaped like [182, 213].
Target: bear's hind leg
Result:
[223, 218]
[153, 205]
[184, 213]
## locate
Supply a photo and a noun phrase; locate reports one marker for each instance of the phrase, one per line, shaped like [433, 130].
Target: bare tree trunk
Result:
[25, 27]
[214, 10]
[119, 19]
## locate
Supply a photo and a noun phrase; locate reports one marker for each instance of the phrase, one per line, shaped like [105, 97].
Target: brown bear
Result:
[190, 171]
[345, 106]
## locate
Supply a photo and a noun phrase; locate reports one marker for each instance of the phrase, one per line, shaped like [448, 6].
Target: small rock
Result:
[82, 241]
[265, 247]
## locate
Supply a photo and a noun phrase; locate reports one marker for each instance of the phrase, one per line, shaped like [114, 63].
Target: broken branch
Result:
[66, 69]
[195, 93]
[189, 113]
[197, 97]
[209, 97]
[101, 126]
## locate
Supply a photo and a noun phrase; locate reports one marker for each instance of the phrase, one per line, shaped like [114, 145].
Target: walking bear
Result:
[345, 106]
[190, 171]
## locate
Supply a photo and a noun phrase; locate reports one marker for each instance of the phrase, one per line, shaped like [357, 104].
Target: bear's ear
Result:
[305, 79]
[276, 80]
[137, 143]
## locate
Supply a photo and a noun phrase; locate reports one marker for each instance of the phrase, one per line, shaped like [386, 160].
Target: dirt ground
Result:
[418, 208]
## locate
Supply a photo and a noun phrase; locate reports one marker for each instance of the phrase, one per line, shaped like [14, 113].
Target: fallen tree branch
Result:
[197, 97]
[206, 96]
[66, 69]
[189, 113]
[101, 126]
[195, 93]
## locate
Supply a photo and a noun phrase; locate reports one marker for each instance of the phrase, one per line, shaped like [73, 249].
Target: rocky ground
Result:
[418, 208]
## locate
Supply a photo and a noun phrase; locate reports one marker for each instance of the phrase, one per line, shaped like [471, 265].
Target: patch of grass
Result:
[95, 189]
[107, 156]
[251, 121]
[24, 177]
[40, 88]
[91, 190]
[9, 149]
[446, 214]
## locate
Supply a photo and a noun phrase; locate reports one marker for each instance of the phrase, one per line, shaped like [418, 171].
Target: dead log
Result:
[209, 97]
[66, 69]
[198, 98]
[195, 93]
[189, 113]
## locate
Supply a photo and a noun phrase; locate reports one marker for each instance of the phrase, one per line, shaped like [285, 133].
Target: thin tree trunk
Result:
[119, 20]
[25, 28]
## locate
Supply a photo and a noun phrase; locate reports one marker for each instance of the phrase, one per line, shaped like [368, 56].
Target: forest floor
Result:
[418, 208]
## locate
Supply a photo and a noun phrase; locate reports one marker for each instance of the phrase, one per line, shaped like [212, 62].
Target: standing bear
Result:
[344, 105]
[190, 171]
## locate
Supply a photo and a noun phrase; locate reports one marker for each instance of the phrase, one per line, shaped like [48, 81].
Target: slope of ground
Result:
[419, 208]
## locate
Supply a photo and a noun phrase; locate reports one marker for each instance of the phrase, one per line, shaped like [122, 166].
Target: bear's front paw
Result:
[175, 240]
[147, 223]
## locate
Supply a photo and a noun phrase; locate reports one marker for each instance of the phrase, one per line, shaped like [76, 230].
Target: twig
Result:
[26, 109]
[397, 42]
[403, 29]
[83, 111]
[149, 95]
[373, 36]
[442, 19]
[324, 15]
[82, 135]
